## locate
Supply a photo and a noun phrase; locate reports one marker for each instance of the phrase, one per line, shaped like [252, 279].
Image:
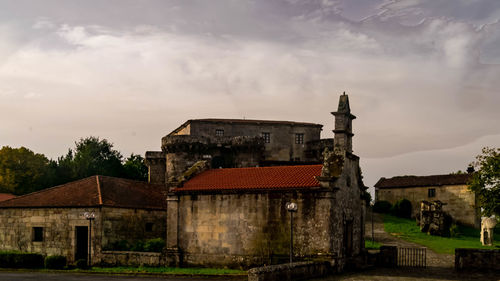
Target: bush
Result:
[138, 246]
[402, 209]
[154, 245]
[120, 245]
[382, 207]
[55, 262]
[81, 264]
[14, 259]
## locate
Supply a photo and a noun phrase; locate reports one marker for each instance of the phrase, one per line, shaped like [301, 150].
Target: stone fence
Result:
[477, 259]
[288, 272]
[128, 258]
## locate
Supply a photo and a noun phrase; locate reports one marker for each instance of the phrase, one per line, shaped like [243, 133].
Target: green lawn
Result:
[167, 270]
[408, 230]
[372, 245]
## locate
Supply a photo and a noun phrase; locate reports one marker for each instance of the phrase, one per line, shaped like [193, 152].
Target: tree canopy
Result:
[23, 171]
[486, 181]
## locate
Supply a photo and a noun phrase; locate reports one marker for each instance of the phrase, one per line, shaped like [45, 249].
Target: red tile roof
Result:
[93, 192]
[6, 196]
[263, 178]
[412, 181]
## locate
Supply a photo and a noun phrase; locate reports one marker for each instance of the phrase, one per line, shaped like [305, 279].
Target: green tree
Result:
[23, 171]
[486, 181]
[135, 168]
[93, 156]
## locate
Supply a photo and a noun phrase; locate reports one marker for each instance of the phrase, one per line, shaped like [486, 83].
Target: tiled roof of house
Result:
[259, 178]
[412, 181]
[6, 196]
[93, 192]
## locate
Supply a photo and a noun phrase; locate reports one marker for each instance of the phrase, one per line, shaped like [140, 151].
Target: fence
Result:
[412, 257]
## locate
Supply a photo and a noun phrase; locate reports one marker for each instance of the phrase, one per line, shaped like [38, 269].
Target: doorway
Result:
[82, 240]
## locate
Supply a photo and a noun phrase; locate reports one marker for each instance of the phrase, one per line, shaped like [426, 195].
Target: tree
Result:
[486, 181]
[135, 168]
[23, 171]
[93, 156]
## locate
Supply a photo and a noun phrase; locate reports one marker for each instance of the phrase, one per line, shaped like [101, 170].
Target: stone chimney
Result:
[343, 125]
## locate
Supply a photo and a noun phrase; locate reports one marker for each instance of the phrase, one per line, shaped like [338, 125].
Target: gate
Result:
[412, 257]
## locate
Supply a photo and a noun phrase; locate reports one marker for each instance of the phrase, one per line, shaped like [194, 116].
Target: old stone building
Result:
[52, 221]
[234, 143]
[452, 190]
[237, 217]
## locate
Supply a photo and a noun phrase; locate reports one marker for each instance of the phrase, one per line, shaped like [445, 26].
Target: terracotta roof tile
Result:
[92, 192]
[6, 196]
[259, 178]
[435, 180]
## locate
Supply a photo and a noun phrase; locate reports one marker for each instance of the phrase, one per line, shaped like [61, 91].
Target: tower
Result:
[343, 125]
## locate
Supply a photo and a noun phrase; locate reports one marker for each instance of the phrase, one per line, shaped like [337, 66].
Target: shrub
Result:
[154, 245]
[382, 207]
[81, 264]
[402, 209]
[12, 259]
[55, 262]
[138, 246]
[120, 245]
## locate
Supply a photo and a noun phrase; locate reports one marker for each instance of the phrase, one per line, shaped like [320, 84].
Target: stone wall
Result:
[130, 224]
[460, 202]
[59, 228]
[125, 258]
[477, 259]
[293, 271]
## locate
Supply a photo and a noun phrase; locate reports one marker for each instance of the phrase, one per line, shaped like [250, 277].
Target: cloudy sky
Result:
[423, 76]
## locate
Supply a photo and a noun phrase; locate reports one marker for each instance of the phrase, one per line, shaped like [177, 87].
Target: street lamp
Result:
[90, 216]
[291, 207]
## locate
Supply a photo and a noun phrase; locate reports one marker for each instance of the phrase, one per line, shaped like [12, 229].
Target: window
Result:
[431, 192]
[149, 227]
[299, 138]
[266, 137]
[37, 234]
[219, 133]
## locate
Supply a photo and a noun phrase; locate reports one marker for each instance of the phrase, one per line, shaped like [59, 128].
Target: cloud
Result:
[415, 71]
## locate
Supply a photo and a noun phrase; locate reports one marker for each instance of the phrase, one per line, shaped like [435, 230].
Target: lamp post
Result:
[291, 207]
[89, 216]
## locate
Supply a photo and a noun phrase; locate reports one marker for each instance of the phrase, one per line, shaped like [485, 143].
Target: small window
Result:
[37, 234]
[266, 137]
[219, 133]
[299, 138]
[149, 227]
[431, 192]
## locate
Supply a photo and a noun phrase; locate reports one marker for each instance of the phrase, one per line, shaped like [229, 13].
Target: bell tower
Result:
[343, 125]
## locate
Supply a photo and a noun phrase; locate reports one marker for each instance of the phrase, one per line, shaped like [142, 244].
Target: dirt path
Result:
[433, 259]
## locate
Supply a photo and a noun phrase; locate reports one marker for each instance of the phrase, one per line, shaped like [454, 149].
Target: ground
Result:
[440, 267]
[36, 276]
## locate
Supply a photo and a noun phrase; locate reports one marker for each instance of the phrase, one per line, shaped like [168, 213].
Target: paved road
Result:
[39, 276]
[430, 274]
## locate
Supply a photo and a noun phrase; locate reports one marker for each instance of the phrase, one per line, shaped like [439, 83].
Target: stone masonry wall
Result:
[59, 226]
[16, 230]
[241, 230]
[460, 202]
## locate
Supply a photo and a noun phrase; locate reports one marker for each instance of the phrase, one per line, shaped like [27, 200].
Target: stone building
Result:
[234, 143]
[52, 222]
[452, 190]
[236, 217]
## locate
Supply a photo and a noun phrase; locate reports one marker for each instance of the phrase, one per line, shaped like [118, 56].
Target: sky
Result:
[423, 76]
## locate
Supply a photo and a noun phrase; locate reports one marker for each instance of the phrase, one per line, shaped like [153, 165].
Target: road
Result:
[40, 276]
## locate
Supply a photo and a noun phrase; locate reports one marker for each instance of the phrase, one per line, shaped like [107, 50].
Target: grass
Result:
[408, 230]
[166, 270]
[372, 245]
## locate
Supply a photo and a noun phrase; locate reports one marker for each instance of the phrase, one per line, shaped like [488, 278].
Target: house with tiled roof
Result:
[6, 196]
[53, 222]
[451, 189]
[238, 217]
